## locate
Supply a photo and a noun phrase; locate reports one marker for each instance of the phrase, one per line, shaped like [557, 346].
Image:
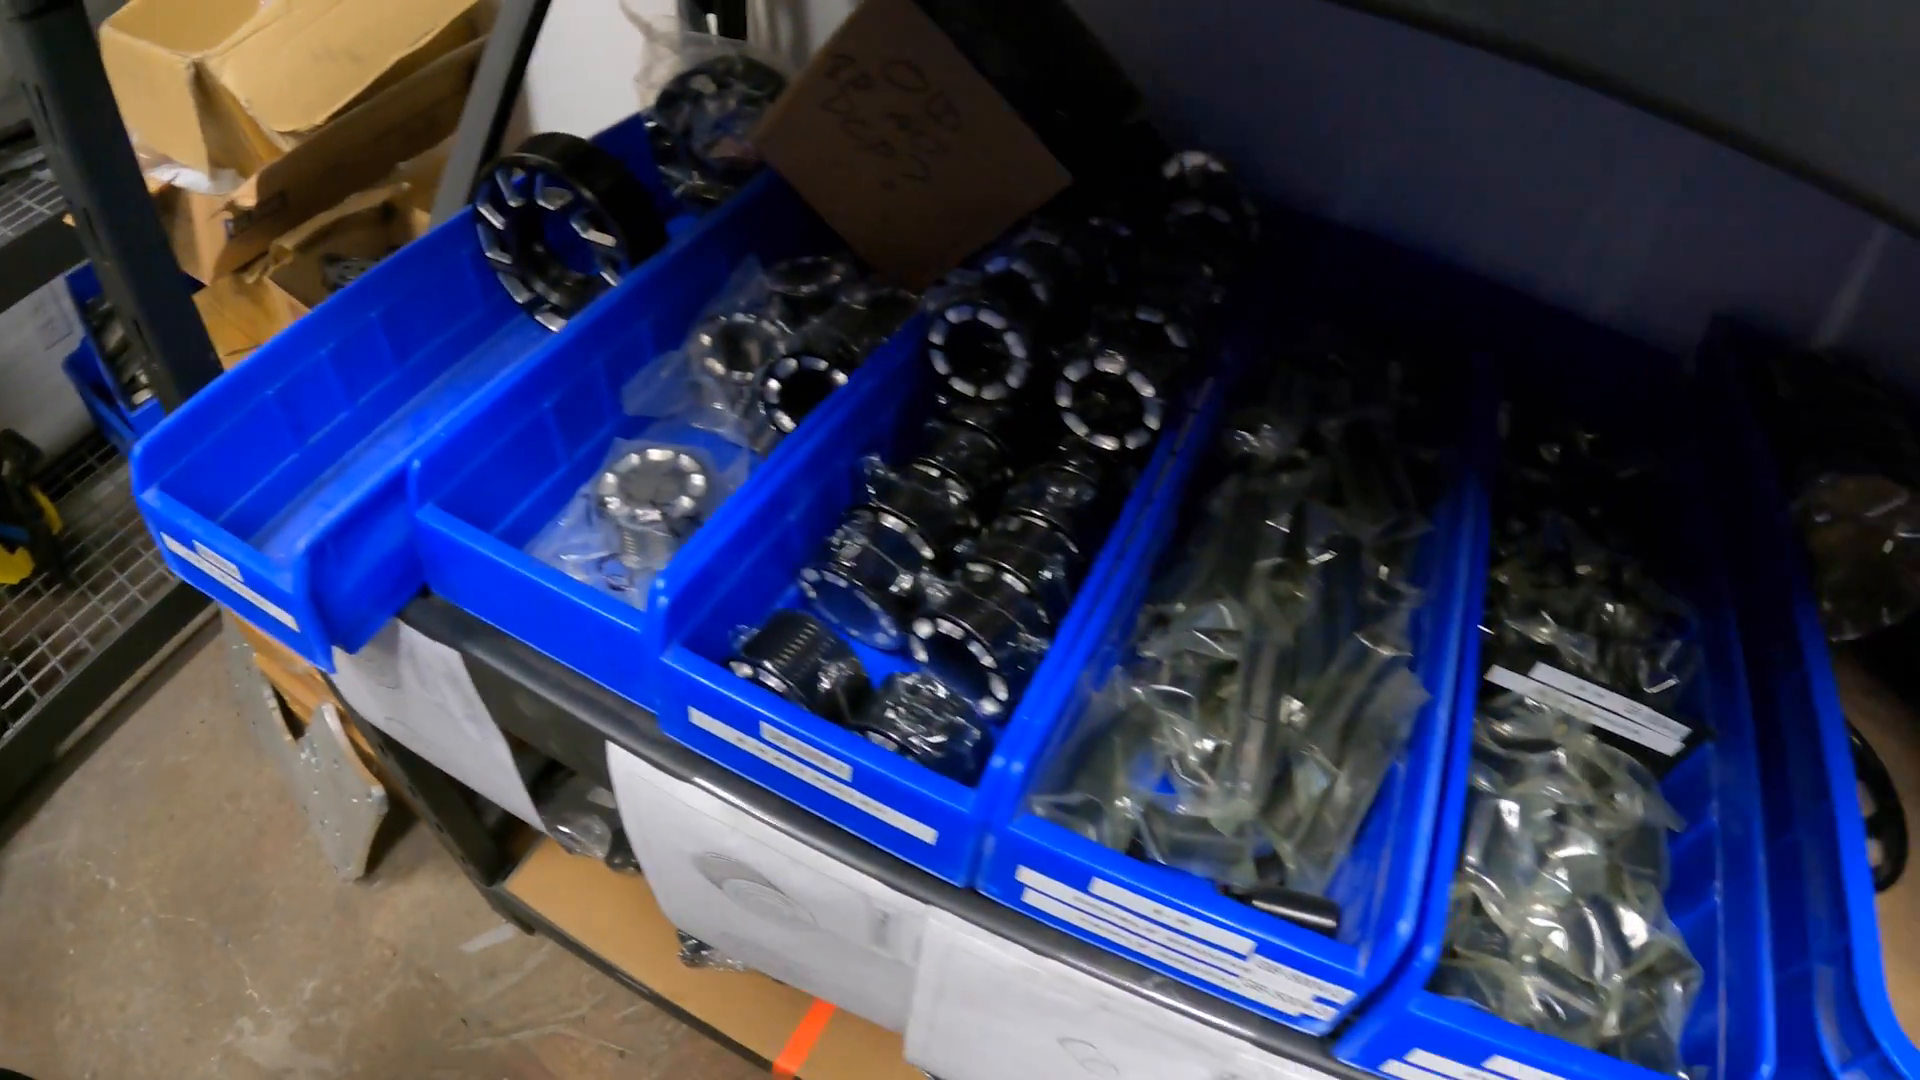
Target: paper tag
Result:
[800, 770]
[1656, 739]
[1506, 1066]
[1424, 1065]
[1619, 704]
[1203, 950]
[227, 574]
[985, 1008]
[818, 759]
[1427, 1065]
[36, 334]
[419, 692]
[767, 899]
[901, 146]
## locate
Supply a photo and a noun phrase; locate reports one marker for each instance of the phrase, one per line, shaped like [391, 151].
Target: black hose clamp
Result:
[797, 657]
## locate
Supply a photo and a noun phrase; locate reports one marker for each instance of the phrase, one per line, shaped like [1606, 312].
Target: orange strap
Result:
[800, 1043]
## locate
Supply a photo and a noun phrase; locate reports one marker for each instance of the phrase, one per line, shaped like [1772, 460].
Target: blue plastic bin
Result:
[280, 490]
[736, 574]
[1718, 896]
[1177, 923]
[527, 445]
[1832, 988]
[122, 422]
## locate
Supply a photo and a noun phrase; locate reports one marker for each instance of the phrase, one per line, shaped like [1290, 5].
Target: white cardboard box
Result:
[767, 900]
[985, 1008]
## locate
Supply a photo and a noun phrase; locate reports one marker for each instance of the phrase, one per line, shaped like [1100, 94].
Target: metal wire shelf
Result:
[27, 202]
[53, 624]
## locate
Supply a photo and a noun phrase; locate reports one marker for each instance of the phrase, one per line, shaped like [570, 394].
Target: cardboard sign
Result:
[901, 146]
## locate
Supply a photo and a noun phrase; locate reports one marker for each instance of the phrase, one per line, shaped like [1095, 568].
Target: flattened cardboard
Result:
[903, 147]
[616, 917]
[235, 84]
[214, 235]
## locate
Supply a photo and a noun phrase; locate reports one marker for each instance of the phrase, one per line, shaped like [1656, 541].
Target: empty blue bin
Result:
[1718, 894]
[1835, 1015]
[1178, 923]
[736, 574]
[515, 458]
[280, 490]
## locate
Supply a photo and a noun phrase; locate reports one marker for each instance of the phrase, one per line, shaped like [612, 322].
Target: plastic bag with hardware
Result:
[648, 496]
[1558, 920]
[703, 95]
[1269, 686]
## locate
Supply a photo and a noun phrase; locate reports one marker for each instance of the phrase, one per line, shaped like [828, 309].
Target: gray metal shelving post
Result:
[71, 644]
[52, 47]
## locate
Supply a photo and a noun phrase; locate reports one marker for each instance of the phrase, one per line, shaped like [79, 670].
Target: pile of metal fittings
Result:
[773, 346]
[1559, 921]
[1061, 353]
[1094, 300]
[1269, 684]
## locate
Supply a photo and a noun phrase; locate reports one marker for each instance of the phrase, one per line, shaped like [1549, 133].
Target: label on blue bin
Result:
[833, 785]
[819, 759]
[1596, 705]
[1427, 1065]
[223, 570]
[1204, 950]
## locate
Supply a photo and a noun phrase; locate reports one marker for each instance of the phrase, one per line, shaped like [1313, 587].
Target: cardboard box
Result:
[239, 317]
[370, 225]
[213, 235]
[243, 311]
[894, 138]
[616, 917]
[236, 84]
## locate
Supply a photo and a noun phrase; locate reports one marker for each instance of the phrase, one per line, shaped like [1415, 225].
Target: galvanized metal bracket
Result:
[344, 803]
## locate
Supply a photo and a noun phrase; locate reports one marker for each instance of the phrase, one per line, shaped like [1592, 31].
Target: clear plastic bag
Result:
[1269, 689]
[818, 308]
[711, 380]
[1558, 920]
[649, 495]
[703, 95]
[1571, 588]
[1100, 801]
[582, 817]
[917, 716]
[695, 953]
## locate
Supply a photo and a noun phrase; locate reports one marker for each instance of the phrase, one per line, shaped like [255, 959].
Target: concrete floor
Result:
[164, 914]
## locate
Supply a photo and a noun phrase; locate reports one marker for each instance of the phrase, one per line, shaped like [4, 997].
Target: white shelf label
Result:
[1206, 951]
[1583, 700]
[227, 574]
[800, 770]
